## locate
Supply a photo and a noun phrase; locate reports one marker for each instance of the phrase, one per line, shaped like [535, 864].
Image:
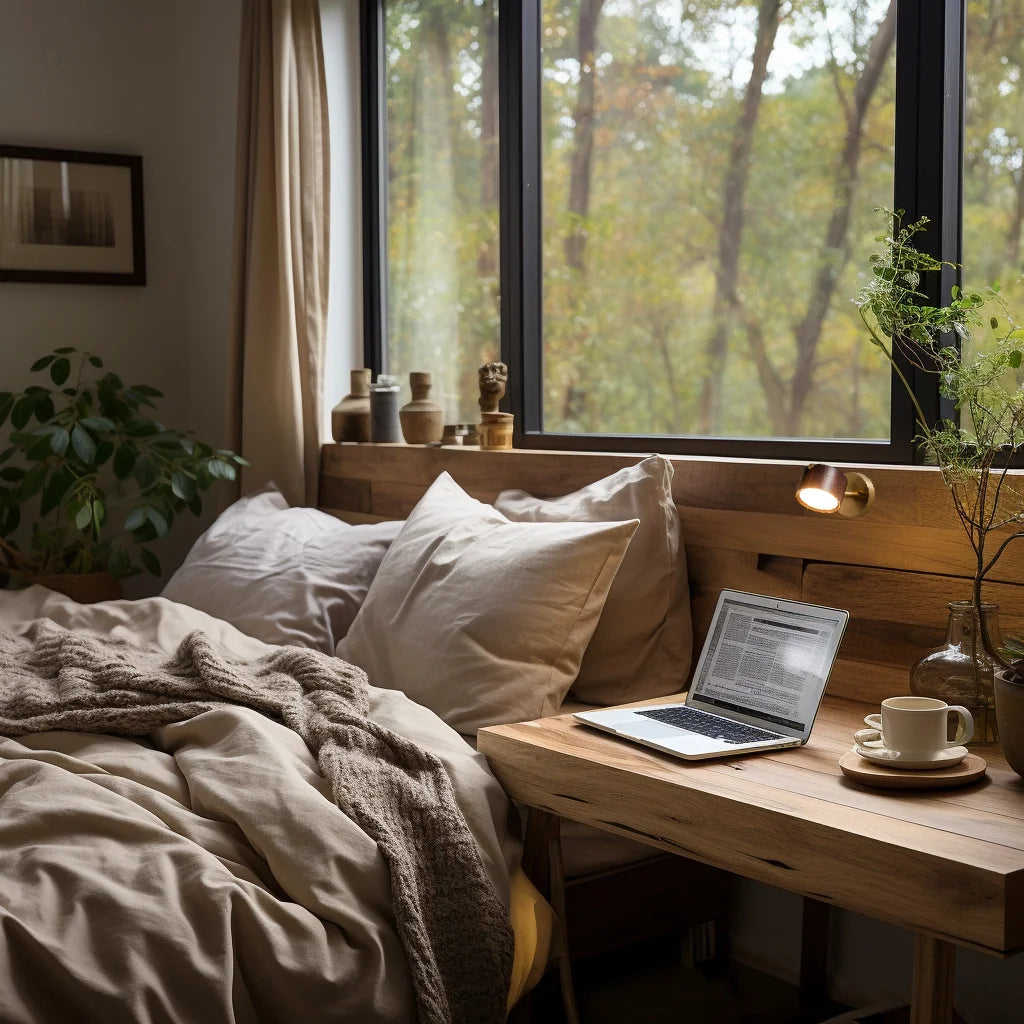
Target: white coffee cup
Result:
[915, 726]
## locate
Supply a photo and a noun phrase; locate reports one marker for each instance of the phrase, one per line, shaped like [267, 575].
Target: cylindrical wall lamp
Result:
[826, 489]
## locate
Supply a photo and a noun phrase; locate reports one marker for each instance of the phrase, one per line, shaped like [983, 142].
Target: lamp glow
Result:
[825, 489]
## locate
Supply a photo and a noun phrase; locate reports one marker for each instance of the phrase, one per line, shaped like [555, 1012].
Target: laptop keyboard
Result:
[692, 720]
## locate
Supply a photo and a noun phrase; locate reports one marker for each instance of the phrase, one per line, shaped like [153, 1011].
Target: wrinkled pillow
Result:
[643, 642]
[480, 619]
[283, 575]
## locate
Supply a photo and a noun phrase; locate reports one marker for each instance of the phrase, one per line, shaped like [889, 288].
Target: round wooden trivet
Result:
[970, 769]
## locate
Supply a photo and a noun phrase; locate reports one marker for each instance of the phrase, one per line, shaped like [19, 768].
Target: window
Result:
[686, 198]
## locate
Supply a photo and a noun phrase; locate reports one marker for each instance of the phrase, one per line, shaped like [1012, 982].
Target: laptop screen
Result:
[769, 659]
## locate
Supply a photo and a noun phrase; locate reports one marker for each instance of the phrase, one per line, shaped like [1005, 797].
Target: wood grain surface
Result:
[894, 568]
[946, 863]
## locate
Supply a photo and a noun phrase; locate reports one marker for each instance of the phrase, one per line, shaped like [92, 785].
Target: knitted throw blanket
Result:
[454, 929]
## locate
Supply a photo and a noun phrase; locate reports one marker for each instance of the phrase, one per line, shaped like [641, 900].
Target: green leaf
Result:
[160, 524]
[59, 441]
[6, 454]
[103, 452]
[993, 322]
[124, 461]
[145, 471]
[100, 423]
[99, 514]
[1015, 358]
[60, 371]
[12, 474]
[145, 389]
[182, 487]
[10, 518]
[6, 404]
[96, 361]
[32, 481]
[41, 364]
[83, 517]
[150, 562]
[83, 444]
[44, 409]
[65, 350]
[135, 518]
[22, 412]
[55, 489]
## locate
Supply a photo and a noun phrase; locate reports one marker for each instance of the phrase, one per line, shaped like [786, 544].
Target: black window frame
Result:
[929, 133]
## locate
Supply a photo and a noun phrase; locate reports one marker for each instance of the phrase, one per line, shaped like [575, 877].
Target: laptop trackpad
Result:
[648, 729]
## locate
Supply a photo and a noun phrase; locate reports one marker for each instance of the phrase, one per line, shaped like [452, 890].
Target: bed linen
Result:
[203, 873]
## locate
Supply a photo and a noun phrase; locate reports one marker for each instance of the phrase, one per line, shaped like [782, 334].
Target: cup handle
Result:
[868, 738]
[966, 731]
[875, 721]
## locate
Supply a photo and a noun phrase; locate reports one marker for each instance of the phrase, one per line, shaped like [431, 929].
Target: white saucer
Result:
[894, 759]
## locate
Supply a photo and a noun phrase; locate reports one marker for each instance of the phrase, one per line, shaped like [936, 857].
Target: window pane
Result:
[993, 139]
[710, 172]
[442, 135]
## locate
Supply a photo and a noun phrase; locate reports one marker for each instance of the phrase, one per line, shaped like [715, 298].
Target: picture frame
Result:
[71, 217]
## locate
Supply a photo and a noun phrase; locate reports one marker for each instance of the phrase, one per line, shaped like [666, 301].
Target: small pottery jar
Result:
[1009, 695]
[350, 418]
[422, 420]
[384, 423]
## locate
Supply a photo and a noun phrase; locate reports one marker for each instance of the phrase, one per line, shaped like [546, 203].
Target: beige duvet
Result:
[203, 874]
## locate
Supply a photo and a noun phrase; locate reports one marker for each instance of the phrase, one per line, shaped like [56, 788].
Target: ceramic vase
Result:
[384, 424]
[1009, 698]
[422, 420]
[961, 670]
[350, 418]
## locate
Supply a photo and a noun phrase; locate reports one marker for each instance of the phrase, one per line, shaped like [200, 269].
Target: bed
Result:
[221, 865]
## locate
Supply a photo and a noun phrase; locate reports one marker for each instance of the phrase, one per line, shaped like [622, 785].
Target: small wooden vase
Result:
[350, 418]
[422, 420]
[496, 431]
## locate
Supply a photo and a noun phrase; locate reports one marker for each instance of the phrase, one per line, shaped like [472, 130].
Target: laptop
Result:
[757, 685]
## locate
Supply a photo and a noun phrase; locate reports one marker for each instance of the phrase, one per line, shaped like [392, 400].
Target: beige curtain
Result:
[281, 258]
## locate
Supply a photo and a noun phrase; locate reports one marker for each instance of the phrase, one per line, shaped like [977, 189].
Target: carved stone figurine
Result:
[493, 377]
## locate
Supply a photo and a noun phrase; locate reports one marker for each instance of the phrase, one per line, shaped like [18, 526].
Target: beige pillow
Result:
[482, 620]
[643, 643]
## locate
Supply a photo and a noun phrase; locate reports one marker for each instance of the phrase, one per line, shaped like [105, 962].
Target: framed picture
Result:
[71, 217]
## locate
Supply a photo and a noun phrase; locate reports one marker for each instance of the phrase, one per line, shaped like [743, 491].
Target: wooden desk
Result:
[948, 864]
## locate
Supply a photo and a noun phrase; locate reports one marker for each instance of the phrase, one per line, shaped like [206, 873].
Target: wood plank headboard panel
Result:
[893, 568]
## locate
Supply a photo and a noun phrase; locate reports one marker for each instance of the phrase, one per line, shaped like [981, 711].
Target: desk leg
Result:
[931, 998]
[542, 862]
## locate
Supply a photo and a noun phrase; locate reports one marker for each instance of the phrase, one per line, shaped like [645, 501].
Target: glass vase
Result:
[960, 671]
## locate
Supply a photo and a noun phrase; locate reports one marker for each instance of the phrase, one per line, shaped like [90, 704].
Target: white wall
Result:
[158, 79]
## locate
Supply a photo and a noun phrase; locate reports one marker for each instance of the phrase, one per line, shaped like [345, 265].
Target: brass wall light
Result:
[826, 489]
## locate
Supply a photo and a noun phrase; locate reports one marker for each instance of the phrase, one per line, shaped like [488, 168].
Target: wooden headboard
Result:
[894, 568]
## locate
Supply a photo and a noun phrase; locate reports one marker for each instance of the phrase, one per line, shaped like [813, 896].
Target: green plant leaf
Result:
[150, 562]
[55, 489]
[10, 518]
[1015, 358]
[22, 412]
[60, 371]
[182, 487]
[160, 524]
[59, 441]
[83, 444]
[146, 473]
[96, 361]
[32, 481]
[64, 350]
[6, 405]
[83, 517]
[41, 364]
[135, 518]
[100, 423]
[44, 409]
[103, 452]
[12, 474]
[6, 454]
[124, 461]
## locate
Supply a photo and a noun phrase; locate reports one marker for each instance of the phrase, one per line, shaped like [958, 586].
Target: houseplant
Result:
[90, 477]
[974, 455]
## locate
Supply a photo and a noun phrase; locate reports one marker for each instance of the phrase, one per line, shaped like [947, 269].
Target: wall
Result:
[159, 80]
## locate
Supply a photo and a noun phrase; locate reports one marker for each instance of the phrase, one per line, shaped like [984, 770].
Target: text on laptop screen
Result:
[767, 661]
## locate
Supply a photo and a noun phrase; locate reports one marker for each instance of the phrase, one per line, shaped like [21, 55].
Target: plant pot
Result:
[85, 588]
[1009, 693]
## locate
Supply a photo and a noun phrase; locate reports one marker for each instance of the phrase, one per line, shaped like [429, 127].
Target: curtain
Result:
[281, 254]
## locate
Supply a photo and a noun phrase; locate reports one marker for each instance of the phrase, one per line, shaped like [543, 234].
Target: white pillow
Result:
[642, 645]
[283, 575]
[482, 620]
